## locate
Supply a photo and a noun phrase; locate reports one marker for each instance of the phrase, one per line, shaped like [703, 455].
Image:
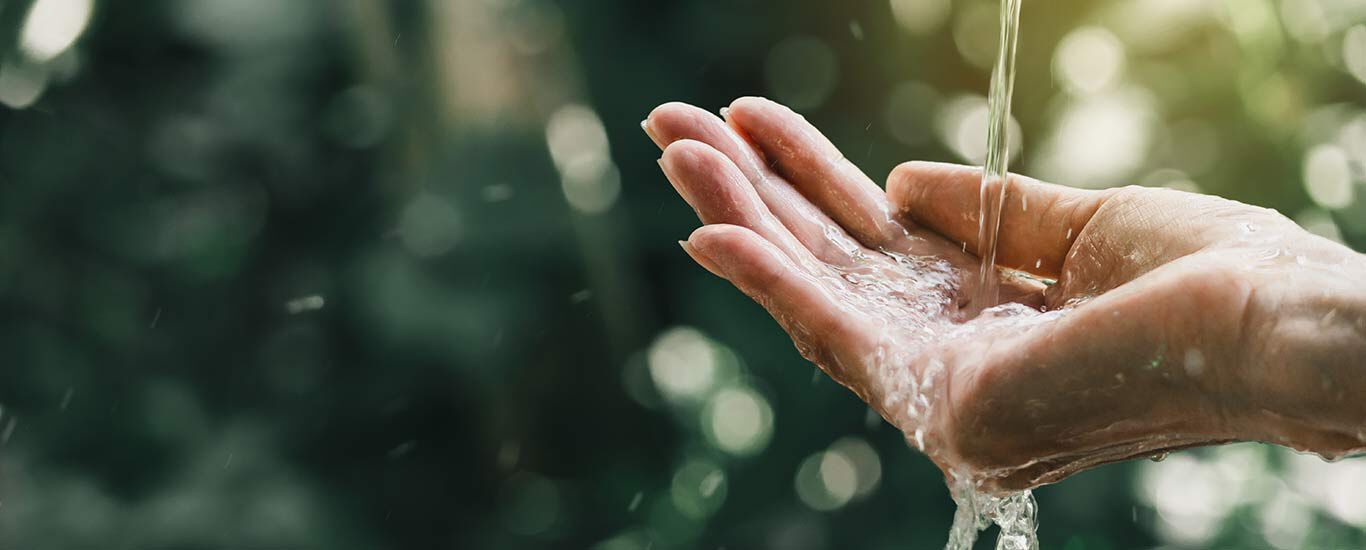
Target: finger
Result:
[819, 323]
[720, 194]
[1039, 221]
[803, 156]
[672, 122]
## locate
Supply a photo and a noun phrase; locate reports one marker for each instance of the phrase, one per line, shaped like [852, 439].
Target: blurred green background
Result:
[403, 274]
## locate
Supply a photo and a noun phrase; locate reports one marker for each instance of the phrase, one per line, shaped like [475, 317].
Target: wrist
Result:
[1306, 369]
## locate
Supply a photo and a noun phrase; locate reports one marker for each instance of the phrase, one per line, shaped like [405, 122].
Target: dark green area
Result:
[193, 168]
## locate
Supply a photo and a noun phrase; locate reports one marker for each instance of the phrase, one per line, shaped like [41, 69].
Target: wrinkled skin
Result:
[1176, 319]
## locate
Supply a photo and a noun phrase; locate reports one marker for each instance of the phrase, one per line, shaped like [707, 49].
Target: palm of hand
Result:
[870, 294]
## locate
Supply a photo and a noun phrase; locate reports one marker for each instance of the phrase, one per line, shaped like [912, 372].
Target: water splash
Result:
[1015, 514]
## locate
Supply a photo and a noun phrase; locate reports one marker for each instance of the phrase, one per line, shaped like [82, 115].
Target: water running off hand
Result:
[1014, 513]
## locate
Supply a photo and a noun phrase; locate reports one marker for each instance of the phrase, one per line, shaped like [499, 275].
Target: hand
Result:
[1176, 319]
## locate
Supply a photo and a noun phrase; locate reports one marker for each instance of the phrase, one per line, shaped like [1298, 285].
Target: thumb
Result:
[1039, 221]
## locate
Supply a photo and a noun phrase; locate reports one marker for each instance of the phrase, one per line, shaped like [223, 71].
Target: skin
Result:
[1168, 319]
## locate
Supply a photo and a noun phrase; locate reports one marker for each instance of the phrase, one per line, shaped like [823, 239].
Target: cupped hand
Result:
[1132, 321]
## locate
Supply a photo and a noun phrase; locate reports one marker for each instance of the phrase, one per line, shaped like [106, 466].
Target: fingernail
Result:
[645, 125]
[725, 113]
[678, 186]
[702, 259]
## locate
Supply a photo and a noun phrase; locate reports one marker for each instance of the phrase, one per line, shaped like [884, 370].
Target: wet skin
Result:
[1176, 319]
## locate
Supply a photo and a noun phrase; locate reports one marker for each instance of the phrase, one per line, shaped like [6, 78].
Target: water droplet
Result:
[1159, 457]
[306, 303]
[1328, 318]
[709, 484]
[871, 419]
[500, 192]
[1194, 363]
[402, 449]
[856, 29]
[854, 278]
[9, 430]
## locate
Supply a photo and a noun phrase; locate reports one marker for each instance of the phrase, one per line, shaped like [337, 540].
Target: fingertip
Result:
[710, 239]
[748, 260]
[900, 179]
[702, 259]
[688, 154]
[673, 154]
[749, 101]
[757, 113]
[925, 172]
[683, 162]
[723, 243]
[672, 121]
[905, 184]
[667, 107]
[750, 107]
[652, 121]
[913, 167]
[650, 132]
[917, 187]
[704, 246]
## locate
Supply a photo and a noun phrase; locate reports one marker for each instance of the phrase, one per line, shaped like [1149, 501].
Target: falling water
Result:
[1013, 513]
[994, 179]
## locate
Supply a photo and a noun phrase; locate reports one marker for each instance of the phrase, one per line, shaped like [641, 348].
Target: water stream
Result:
[997, 163]
[1015, 513]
